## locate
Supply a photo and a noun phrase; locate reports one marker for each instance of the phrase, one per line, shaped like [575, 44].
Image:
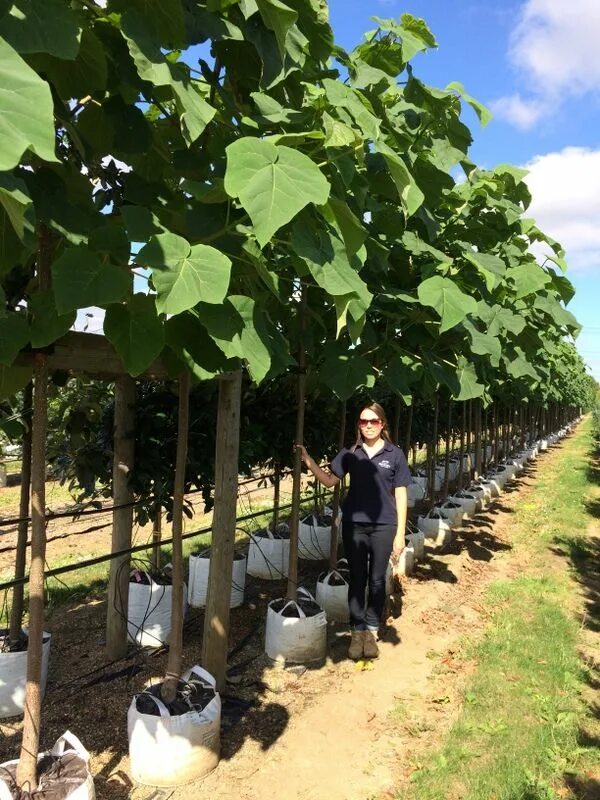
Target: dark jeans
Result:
[368, 548]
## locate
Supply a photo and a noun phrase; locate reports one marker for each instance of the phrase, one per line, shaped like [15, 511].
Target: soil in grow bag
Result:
[146, 578]
[192, 695]
[58, 777]
[282, 532]
[207, 553]
[310, 608]
[322, 520]
[334, 580]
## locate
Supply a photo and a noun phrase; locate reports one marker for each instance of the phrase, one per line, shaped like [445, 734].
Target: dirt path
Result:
[334, 732]
[343, 739]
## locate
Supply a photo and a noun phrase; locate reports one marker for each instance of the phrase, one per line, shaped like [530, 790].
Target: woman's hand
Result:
[303, 453]
[398, 548]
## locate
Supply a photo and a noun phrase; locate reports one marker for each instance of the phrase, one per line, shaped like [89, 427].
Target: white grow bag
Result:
[198, 581]
[67, 746]
[469, 504]
[436, 528]
[415, 492]
[417, 540]
[543, 445]
[453, 515]
[296, 640]
[493, 486]
[333, 597]
[170, 750]
[149, 613]
[13, 678]
[420, 479]
[314, 540]
[268, 556]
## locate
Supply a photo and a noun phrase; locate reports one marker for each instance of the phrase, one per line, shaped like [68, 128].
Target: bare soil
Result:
[334, 732]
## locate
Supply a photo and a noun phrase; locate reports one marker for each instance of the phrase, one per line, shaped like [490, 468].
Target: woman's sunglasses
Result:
[364, 422]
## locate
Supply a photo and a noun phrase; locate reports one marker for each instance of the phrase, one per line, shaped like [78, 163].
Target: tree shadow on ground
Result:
[582, 788]
[584, 556]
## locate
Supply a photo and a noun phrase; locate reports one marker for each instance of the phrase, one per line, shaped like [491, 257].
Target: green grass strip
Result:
[523, 731]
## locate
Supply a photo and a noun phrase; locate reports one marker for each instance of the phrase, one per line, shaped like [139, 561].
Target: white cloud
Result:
[523, 114]
[566, 202]
[554, 48]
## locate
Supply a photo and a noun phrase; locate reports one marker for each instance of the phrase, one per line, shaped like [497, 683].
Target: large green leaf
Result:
[483, 113]
[184, 275]
[491, 267]
[136, 332]
[11, 247]
[527, 279]
[190, 342]
[225, 326]
[26, 111]
[42, 26]
[263, 348]
[46, 324]
[345, 372]
[153, 66]
[273, 183]
[279, 18]
[484, 344]
[13, 379]
[449, 301]
[325, 255]
[80, 280]
[353, 231]
[14, 335]
[17, 204]
[467, 377]
[410, 195]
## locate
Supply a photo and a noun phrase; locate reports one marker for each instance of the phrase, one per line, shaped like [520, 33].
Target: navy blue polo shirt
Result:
[370, 498]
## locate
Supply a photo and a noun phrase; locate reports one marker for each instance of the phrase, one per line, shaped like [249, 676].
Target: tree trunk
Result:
[216, 619]
[409, 429]
[462, 447]
[169, 686]
[478, 465]
[27, 767]
[333, 549]
[434, 438]
[396, 425]
[26, 776]
[469, 429]
[16, 611]
[276, 495]
[118, 584]
[447, 453]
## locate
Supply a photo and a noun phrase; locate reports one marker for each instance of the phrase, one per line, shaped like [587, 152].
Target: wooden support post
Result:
[333, 547]
[276, 495]
[156, 539]
[469, 429]
[215, 641]
[118, 582]
[16, 610]
[169, 686]
[478, 464]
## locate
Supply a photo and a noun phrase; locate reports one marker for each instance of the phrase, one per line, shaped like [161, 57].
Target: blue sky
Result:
[536, 63]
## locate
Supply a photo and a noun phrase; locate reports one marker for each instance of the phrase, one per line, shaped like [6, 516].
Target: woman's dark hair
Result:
[376, 409]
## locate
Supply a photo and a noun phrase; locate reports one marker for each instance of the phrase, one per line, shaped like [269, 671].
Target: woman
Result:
[373, 519]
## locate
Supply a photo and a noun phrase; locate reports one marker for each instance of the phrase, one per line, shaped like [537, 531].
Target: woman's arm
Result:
[401, 507]
[326, 478]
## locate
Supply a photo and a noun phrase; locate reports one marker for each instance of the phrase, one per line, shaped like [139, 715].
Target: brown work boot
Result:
[370, 649]
[355, 651]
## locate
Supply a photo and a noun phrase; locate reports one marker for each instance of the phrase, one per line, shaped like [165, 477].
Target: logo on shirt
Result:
[385, 464]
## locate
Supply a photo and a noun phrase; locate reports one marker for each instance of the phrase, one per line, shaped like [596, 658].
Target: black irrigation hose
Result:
[90, 562]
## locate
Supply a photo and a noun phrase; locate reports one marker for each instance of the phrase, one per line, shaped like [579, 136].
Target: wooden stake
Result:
[169, 686]
[16, 611]
[434, 439]
[478, 466]
[408, 435]
[276, 495]
[156, 539]
[462, 446]
[118, 582]
[292, 584]
[447, 453]
[216, 619]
